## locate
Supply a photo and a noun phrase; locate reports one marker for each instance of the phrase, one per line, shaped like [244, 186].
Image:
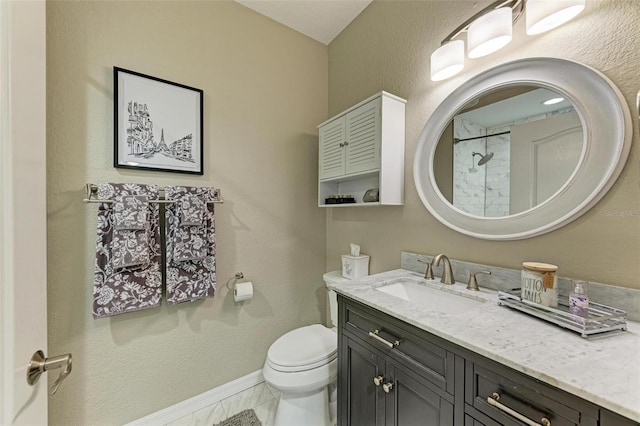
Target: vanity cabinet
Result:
[386, 393]
[394, 378]
[363, 148]
[392, 373]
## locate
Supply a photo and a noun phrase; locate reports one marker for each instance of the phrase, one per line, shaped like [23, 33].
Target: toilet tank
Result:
[333, 277]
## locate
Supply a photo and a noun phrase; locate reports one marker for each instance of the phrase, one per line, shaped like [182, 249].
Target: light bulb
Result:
[489, 32]
[553, 101]
[544, 15]
[447, 60]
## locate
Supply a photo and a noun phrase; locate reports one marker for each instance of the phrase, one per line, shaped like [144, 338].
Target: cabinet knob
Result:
[378, 380]
[387, 387]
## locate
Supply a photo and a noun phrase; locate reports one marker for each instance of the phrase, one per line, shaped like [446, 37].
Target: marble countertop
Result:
[605, 371]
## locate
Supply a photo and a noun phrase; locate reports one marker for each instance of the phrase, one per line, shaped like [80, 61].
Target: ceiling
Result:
[322, 20]
[516, 108]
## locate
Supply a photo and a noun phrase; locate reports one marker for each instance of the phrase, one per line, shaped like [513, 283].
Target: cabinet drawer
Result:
[415, 351]
[607, 418]
[524, 395]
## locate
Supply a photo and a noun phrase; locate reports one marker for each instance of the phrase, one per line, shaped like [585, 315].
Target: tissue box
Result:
[355, 266]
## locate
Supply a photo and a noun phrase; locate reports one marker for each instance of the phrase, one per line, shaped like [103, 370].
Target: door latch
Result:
[39, 364]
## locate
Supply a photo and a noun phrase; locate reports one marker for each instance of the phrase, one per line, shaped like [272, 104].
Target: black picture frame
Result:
[158, 124]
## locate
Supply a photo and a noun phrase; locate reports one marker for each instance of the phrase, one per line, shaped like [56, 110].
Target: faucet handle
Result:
[428, 274]
[473, 284]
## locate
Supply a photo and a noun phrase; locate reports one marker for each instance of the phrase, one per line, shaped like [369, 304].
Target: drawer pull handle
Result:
[387, 387]
[378, 380]
[375, 334]
[493, 400]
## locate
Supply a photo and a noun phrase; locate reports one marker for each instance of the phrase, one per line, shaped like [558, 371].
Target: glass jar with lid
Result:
[539, 283]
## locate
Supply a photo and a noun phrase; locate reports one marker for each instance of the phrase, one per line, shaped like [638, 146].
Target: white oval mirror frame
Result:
[607, 128]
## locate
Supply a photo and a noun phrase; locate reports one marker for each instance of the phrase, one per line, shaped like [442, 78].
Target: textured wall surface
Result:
[388, 48]
[265, 91]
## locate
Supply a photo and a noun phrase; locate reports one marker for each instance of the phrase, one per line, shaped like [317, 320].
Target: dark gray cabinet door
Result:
[607, 418]
[413, 401]
[470, 421]
[361, 401]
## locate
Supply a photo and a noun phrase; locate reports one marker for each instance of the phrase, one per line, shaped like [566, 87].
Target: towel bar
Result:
[92, 191]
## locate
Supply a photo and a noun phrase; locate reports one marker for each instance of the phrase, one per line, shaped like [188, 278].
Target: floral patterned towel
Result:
[130, 248]
[120, 290]
[195, 278]
[190, 243]
[192, 210]
[130, 243]
[130, 211]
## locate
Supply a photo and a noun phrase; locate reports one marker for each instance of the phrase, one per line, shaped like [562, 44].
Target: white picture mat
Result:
[172, 108]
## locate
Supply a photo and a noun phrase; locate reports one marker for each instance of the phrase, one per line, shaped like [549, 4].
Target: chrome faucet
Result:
[447, 272]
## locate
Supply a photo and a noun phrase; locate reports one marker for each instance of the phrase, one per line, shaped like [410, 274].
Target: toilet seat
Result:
[303, 349]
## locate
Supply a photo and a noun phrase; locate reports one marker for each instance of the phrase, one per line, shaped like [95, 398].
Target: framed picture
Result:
[158, 124]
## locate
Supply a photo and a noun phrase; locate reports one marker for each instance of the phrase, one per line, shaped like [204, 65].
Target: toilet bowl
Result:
[302, 364]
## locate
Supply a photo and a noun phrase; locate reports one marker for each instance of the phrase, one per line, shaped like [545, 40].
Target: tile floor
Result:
[262, 398]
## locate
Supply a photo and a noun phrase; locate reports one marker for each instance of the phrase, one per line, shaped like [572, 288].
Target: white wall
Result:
[388, 47]
[265, 90]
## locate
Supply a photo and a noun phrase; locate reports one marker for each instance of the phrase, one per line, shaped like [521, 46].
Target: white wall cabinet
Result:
[363, 148]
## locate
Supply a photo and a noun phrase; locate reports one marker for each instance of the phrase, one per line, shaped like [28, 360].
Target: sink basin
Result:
[433, 298]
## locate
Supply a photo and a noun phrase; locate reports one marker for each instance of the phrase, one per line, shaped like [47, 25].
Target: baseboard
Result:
[201, 401]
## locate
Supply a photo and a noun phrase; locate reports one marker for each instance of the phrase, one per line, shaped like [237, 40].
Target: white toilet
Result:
[302, 364]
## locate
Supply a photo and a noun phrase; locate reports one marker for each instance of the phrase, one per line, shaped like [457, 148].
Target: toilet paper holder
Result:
[241, 291]
[238, 276]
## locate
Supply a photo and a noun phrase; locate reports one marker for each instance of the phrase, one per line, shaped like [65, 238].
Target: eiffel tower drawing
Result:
[140, 140]
[162, 147]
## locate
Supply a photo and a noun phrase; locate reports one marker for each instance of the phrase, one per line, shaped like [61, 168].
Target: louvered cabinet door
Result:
[332, 152]
[363, 138]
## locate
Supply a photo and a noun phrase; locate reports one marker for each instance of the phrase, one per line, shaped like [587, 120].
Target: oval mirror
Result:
[522, 149]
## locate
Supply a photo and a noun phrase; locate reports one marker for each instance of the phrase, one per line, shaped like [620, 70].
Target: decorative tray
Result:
[602, 319]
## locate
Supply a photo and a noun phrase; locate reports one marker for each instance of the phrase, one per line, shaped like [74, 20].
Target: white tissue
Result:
[355, 250]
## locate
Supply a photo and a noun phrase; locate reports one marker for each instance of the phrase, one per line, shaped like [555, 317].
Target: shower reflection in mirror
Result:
[508, 151]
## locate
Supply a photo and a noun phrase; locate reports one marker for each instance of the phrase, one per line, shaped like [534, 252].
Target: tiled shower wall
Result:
[485, 191]
[497, 183]
[468, 186]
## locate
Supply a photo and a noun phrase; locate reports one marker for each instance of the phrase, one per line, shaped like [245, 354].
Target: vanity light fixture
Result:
[490, 29]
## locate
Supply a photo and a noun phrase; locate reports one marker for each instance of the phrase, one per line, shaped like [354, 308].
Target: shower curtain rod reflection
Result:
[92, 192]
[456, 140]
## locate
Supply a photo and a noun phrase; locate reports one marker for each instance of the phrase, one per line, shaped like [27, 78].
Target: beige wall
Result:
[265, 90]
[388, 48]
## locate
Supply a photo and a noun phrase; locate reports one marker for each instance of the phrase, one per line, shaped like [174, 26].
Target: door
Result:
[23, 232]
[412, 400]
[363, 138]
[332, 153]
[544, 154]
[361, 400]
